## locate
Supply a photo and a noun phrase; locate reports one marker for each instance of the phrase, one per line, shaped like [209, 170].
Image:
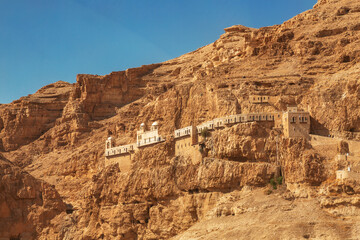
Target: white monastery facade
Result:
[293, 122]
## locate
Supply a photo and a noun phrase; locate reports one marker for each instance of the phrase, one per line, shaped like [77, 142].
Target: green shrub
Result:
[279, 180]
[273, 183]
[205, 133]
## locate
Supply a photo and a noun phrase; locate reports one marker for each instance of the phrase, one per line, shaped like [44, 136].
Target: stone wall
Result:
[184, 147]
[297, 128]
[123, 160]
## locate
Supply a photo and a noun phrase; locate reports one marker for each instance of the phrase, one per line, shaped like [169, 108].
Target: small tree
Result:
[273, 183]
[205, 133]
[201, 148]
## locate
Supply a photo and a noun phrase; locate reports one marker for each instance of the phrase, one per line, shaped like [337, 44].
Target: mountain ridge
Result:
[58, 135]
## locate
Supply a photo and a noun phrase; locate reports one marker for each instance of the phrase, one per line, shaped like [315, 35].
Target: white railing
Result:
[150, 141]
[119, 150]
[186, 131]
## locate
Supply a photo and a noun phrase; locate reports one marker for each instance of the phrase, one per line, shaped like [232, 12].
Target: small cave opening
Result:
[353, 129]
[349, 190]
[195, 190]
[69, 208]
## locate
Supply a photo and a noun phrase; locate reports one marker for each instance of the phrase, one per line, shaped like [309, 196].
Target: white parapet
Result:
[219, 122]
[208, 125]
[230, 119]
[151, 140]
[124, 149]
[186, 131]
[145, 138]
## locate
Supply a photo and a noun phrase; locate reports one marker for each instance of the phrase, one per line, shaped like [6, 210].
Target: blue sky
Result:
[43, 41]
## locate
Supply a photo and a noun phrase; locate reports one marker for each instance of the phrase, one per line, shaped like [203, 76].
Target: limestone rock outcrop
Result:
[161, 196]
[24, 120]
[27, 205]
[99, 95]
[311, 61]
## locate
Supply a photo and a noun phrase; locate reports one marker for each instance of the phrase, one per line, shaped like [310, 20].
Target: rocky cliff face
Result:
[161, 196]
[24, 120]
[58, 135]
[99, 95]
[26, 204]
